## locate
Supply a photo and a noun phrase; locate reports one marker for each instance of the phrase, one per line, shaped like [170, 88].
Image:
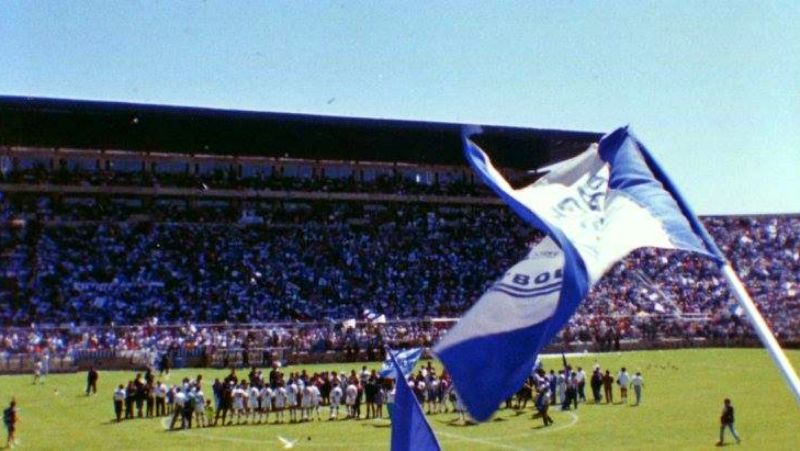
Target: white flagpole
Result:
[763, 330]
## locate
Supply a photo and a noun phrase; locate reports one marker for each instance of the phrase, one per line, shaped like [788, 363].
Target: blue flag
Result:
[410, 429]
[406, 359]
[595, 209]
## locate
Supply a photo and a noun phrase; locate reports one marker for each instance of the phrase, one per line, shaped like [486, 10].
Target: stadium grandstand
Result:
[229, 234]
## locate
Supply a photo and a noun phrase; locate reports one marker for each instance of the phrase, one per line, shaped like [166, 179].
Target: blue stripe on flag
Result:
[527, 290]
[410, 428]
[524, 295]
[635, 173]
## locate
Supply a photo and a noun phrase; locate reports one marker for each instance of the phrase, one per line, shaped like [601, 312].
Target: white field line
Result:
[195, 432]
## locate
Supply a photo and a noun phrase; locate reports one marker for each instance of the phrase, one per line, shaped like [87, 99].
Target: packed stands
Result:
[90, 259]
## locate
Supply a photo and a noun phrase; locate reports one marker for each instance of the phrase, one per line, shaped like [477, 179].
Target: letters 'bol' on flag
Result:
[595, 208]
[406, 359]
[410, 429]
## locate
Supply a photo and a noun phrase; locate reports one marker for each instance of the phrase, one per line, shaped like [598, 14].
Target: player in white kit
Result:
[336, 399]
[350, 394]
[316, 397]
[253, 400]
[199, 408]
[280, 402]
[239, 403]
[291, 400]
[265, 395]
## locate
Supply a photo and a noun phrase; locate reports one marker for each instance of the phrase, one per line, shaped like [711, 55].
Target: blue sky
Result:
[713, 88]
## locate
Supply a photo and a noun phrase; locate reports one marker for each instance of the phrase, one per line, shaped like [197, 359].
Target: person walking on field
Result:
[623, 379]
[608, 387]
[637, 383]
[726, 421]
[10, 419]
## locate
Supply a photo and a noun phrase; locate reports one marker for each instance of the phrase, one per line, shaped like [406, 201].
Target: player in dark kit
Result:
[726, 421]
[91, 381]
[10, 421]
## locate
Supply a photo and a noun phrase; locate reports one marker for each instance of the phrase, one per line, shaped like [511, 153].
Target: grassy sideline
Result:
[682, 399]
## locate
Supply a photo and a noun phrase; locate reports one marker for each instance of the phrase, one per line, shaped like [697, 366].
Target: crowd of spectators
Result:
[93, 264]
[161, 340]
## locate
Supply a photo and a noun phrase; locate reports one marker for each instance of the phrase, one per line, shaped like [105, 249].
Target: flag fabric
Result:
[374, 318]
[595, 208]
[406, 359]
[410, 429]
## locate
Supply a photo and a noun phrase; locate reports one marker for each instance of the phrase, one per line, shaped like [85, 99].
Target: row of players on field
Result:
[300, 395]
[297, 397]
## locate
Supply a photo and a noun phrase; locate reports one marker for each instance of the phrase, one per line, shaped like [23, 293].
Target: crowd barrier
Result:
[139, 360]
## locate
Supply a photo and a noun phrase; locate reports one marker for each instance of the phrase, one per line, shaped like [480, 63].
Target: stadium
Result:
[176, 241]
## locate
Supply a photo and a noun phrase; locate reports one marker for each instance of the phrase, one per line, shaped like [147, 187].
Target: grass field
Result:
[681, 404]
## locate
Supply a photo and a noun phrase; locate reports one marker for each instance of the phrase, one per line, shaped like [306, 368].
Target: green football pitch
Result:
[682, 401]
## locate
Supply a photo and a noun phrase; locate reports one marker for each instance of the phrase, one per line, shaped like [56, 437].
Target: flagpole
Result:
[763, 330]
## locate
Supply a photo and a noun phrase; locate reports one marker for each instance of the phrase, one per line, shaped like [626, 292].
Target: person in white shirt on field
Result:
[37, 371]
[239, 402]
[316, 397]
[637, 382]
[291, 400]
[180, 400]
[561, 379]
[421, 391]
[350, 394]
[280, 402]
[336, 398]
[305, 404]
[254, 403]
[199, 408]
[581, 377]
[119, 399]
[45, 365]
[161, 398]
[623, 379]
[265, 405]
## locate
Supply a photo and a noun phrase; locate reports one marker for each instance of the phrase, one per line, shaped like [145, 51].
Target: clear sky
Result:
[713, 88]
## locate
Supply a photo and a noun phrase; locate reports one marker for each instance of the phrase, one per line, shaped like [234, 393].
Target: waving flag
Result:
[410, 429]
[595, 208]
[374, 318]
[406, 360]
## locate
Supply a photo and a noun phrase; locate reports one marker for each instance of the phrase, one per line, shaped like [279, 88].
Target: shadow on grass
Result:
[456, 422]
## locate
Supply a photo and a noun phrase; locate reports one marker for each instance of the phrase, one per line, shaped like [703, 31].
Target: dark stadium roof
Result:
[43, 122]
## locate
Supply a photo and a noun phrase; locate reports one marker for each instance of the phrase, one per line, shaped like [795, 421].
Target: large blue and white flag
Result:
[595, 208]
[410, 429]
[406, 359]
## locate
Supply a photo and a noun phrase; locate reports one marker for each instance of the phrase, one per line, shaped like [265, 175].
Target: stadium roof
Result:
[43, 122]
